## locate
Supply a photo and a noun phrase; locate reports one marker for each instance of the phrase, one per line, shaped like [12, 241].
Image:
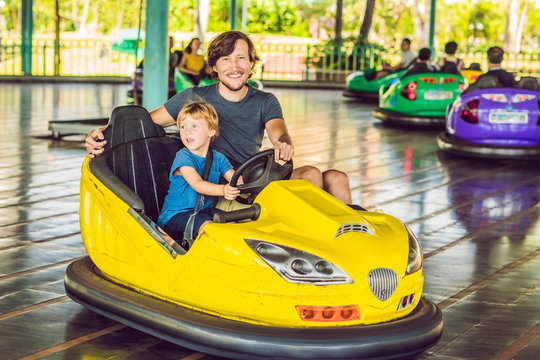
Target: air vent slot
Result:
[353, 227]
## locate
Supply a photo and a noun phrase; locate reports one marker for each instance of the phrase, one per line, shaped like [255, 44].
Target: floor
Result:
[478, 223]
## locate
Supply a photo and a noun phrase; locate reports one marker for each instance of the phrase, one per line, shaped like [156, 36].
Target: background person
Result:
[423, 64]
[192, 63]
[495, 58]
[450, 48]
[407, 57]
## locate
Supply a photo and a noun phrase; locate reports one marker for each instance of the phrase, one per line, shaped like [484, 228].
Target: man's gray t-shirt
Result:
[241, 124]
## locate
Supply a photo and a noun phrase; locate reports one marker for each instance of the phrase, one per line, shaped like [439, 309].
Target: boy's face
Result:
[233, 70]
[196, 134]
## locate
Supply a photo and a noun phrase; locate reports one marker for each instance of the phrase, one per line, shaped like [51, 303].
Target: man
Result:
[407, 57]
[495, 57]
[422, 64]
[244, 113]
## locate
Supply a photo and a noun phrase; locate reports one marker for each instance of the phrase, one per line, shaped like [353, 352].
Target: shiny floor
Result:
[478, 223]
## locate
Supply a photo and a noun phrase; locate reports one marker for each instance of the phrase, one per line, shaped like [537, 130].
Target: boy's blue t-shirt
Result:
[181, 197]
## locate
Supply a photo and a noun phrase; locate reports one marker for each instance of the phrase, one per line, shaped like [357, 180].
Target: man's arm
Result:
[279, 136]
[162, 117]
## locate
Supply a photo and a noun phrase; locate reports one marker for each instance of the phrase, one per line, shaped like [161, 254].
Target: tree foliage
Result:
[475, 24]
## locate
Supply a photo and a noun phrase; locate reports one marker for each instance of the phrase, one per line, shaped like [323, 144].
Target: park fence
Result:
[302, 61]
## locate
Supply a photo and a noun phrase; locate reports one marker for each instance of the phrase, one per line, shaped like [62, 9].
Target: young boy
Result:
[198, 125]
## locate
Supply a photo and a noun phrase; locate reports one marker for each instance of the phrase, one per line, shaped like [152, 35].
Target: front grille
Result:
[353, 227]
[382, 282]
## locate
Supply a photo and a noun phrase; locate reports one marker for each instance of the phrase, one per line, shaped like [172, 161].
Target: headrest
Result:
[529, 83]
[128, 123]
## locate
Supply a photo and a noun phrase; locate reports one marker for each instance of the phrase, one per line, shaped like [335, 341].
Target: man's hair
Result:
[450, 48]
[495, 55]
[223, 45]
[200, 110]
[407, 40]
[424, 54]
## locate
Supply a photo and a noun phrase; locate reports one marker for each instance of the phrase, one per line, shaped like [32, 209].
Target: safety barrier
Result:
[290, 61]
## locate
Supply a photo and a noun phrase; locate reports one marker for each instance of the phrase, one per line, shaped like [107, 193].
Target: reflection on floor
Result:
[478, 222]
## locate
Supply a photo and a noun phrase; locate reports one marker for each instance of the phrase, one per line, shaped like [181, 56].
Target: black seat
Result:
[137, 159]
[484, 82]
[450, 67]
[418, 68]
[529, 83]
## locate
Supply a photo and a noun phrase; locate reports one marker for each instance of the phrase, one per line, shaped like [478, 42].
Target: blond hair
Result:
[200, 110]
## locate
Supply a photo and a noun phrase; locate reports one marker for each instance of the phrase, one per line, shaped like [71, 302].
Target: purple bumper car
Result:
[488, 120]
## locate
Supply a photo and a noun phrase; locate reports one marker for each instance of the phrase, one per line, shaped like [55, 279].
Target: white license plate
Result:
[508, 117]
[437, 95]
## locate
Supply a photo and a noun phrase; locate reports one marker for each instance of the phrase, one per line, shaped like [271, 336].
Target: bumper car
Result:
[491, 121]
[363, 85]
[419, 99]
[300, 275]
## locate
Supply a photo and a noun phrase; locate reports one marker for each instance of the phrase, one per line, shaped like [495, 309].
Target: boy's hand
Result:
[230, 193]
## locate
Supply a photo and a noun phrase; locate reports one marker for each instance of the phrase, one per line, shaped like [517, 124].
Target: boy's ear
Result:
[212, 133]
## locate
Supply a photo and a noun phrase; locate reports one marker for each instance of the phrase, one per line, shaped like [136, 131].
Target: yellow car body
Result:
[308, 263]
[221, 262]
[471, 75]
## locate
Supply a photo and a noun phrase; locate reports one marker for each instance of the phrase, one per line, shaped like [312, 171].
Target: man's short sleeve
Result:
[272, 109]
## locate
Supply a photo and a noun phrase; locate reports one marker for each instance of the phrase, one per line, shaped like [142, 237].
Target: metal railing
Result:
[290, 61]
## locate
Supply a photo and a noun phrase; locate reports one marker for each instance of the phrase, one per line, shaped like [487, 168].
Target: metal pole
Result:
[432, 25]
[245, 4]
[233, 14]
[27, 29]
[57, 42]
[156, 55]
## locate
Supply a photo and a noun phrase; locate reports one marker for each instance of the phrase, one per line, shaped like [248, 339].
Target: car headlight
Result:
[298, 266]
[414, 262]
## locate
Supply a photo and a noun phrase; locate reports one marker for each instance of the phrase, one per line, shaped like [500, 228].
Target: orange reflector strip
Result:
[429, 80]
[328, 313]
[448, 80]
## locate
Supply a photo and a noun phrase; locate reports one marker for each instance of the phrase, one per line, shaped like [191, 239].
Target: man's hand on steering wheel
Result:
[283, 151]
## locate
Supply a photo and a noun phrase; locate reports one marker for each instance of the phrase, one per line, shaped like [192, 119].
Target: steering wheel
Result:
[259, 171]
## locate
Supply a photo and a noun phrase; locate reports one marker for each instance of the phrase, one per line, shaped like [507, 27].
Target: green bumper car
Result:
[419, 99]
[364, 84]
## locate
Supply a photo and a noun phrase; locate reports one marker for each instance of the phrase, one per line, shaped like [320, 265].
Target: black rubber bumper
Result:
[210, 334]
[393, 117]
[457, 146]
[361, 94]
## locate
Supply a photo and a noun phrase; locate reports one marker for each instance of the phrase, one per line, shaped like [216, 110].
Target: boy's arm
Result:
[198, 184]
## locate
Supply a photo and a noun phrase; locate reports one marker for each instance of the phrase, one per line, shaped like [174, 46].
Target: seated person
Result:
[495, 57]
[198, 125]
[422, 64]
[407, 57]
[193, 64]
[450, 49]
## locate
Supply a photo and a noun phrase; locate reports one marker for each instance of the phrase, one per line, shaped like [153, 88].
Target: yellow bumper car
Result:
[302, 276]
